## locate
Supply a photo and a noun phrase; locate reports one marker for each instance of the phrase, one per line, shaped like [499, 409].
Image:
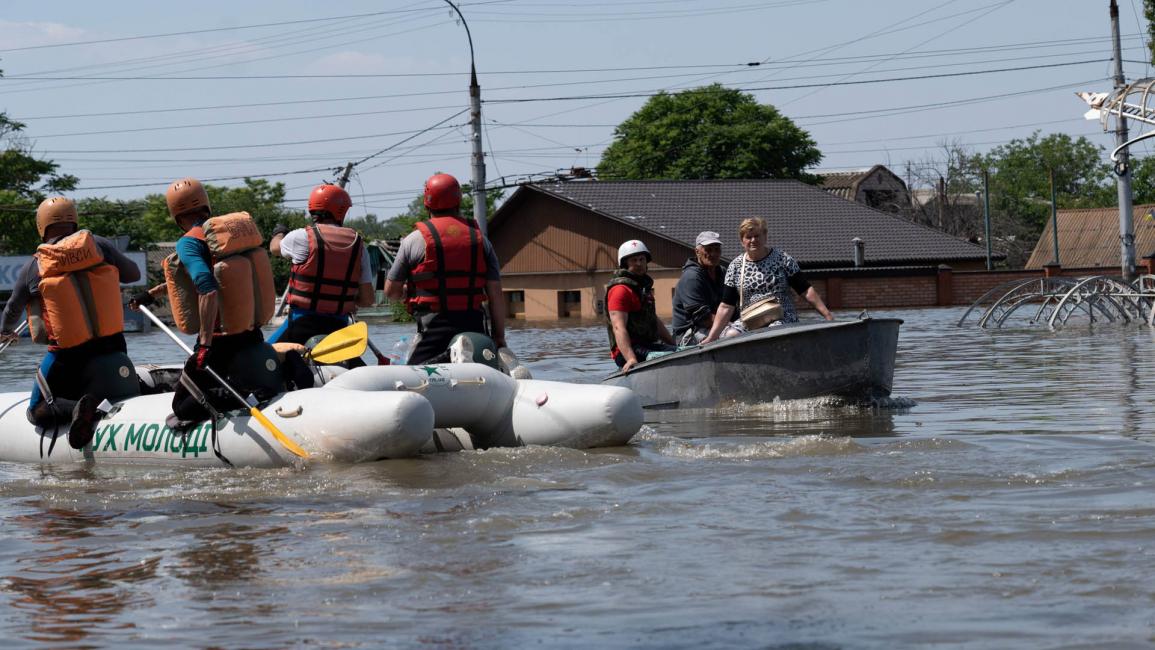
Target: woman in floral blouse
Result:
[760, 272]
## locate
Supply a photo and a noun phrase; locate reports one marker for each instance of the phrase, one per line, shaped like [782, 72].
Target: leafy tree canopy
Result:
[708, 133]
[1020, 188]
[403, 224]
[25, 180]
[1020, 175]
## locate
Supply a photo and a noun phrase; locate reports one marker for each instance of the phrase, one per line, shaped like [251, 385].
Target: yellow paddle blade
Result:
[346, 343]
[282, 438]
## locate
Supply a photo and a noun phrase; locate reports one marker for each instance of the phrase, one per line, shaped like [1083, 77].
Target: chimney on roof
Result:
[859, 252]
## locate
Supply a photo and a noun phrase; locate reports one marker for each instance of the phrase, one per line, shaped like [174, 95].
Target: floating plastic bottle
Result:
[400, 352]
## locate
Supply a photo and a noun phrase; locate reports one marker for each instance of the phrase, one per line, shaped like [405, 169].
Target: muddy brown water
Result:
[1005, 497]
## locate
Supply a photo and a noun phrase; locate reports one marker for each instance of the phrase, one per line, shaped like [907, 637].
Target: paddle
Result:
[381, 360]
[284, 302]
[19, 330]
[344, 344]
[260, 417]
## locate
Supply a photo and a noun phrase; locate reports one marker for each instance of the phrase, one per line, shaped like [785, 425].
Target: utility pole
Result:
[941, 201]
[987, 216]
[344, 180]
[478, 183]
[1054, 217]
[1123, 179]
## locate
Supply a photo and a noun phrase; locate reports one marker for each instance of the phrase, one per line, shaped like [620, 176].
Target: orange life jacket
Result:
[79, 293]
[328, 280]
[243, 272]
[452, 276]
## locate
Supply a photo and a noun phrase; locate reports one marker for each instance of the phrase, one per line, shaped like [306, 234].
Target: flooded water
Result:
[1004, 498]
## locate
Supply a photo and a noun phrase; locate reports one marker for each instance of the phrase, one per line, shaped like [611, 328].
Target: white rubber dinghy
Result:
[500, 411]
[331, 424]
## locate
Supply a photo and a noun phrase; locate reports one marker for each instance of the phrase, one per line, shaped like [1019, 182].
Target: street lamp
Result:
[479, 205]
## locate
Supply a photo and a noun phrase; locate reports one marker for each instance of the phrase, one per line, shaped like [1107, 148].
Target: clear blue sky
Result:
[547, 51]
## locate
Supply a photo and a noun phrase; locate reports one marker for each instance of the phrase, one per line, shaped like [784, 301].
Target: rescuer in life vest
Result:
[219, 284]
[451, 269]
[71, 290]
[636, 333]
[331, 274]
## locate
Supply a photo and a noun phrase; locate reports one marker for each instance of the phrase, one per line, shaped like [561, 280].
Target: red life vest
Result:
[330, 277]
[452, 276]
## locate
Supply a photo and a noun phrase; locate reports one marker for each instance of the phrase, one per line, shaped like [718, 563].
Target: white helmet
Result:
[632, 247]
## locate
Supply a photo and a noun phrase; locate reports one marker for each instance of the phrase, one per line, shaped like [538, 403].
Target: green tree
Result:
[24, 182]
[260, 198]
[1020, 189]
[403, 224]
[1142, 180]
[369, 226]
[110, 218]
[707, 133]
[1020, 179]
[1149, 13]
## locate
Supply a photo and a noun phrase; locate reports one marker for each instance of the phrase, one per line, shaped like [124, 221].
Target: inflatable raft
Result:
[366, 414]
[477, 407]
[330, 423]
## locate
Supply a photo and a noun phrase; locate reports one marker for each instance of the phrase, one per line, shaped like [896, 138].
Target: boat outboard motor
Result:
[256, 369]
[110, 376]
[471, 347]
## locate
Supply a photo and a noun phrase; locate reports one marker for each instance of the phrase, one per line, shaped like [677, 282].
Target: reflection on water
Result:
[225, 552]
[1000, 498]
[68, 587]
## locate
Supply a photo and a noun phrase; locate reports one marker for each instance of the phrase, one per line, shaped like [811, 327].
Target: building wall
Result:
[553, 236]
[557, 257]
[845, 292]
[544, 299]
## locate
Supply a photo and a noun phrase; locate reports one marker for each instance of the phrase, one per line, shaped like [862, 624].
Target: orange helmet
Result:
[185, 195]
[332, 199]
[442, 192]
[55, 209]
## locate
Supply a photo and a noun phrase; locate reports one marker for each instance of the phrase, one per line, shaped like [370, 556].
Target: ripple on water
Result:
[714, 449]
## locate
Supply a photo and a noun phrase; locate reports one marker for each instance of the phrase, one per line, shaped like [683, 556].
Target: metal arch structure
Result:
[1144, 286]
[1057, 300]
[1133, 102]
[1098, 296]
[1039, 291]
[992, 296]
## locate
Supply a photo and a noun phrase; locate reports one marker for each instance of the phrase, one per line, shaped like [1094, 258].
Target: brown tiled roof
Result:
[843, 184]
[805, 221]
[1089, 238]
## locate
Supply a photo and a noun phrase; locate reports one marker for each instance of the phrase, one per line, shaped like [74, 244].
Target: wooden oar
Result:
[342, 345]
[260, 417]
[19, 330]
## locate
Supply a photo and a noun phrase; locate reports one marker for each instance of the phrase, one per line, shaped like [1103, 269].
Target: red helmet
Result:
[332, 199]
[442, 192]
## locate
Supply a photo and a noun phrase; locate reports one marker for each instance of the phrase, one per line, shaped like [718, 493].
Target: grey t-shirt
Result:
[412, 252]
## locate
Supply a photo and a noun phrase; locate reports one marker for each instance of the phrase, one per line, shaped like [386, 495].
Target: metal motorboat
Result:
[852, 359]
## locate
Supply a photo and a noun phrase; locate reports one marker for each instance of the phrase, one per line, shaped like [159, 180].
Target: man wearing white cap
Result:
[699, 290]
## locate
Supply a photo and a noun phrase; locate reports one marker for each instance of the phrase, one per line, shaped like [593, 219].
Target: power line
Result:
[232, 29]
[244, 146]
[209, 180]
[418, 133]
[796, 86]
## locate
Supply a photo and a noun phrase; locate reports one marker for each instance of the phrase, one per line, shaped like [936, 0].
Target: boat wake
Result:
[821, 404]
[715, 449]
